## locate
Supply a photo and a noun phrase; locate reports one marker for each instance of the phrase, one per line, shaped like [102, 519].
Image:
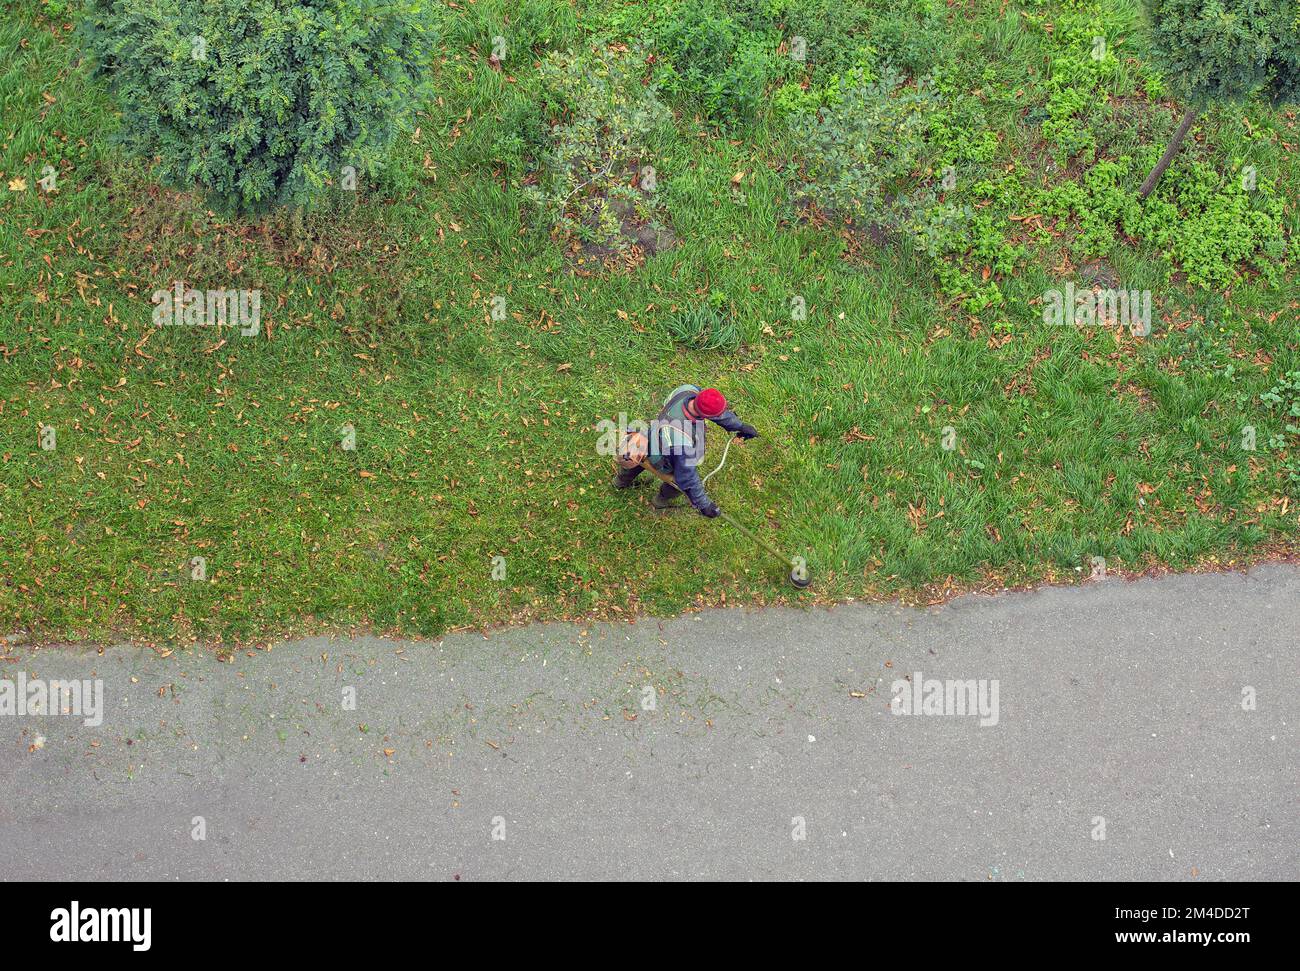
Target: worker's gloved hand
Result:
[747, 432]
[711, 510]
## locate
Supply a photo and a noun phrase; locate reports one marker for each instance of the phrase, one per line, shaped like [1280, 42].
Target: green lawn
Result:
[476, 437]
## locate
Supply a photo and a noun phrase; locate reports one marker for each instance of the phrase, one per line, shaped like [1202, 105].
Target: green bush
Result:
[713, 62]
[1224, 52]
[904, 158]
[836, 36]
[826, 47]
[1084, 66]
[261, 103]
[910, 39]
[962, 244]
[1209, 224]
[596, 171]
[1227, 50]
[862, 153]
[884, 152]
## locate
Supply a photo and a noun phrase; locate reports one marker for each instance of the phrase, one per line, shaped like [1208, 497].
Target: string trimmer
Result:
[799, 571]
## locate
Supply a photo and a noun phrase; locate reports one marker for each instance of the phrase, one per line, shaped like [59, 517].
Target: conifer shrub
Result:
[261, 103]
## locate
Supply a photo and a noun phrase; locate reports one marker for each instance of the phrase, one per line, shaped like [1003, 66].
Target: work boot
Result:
[663, 499]
[626, 478]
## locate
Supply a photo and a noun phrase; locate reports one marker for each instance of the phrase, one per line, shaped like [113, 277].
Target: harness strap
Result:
[668, 405]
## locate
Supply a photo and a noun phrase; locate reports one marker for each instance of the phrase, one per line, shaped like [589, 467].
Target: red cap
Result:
[710, 403]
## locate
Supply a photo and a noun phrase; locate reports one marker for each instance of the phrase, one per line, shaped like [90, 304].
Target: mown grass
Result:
[475, 437]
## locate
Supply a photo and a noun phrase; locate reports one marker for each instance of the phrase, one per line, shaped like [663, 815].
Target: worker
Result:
[675, 445]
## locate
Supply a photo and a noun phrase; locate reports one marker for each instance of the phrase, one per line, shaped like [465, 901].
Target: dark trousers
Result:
[626, 477]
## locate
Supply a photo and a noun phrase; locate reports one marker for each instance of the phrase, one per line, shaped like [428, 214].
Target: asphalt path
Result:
[1116, 730]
